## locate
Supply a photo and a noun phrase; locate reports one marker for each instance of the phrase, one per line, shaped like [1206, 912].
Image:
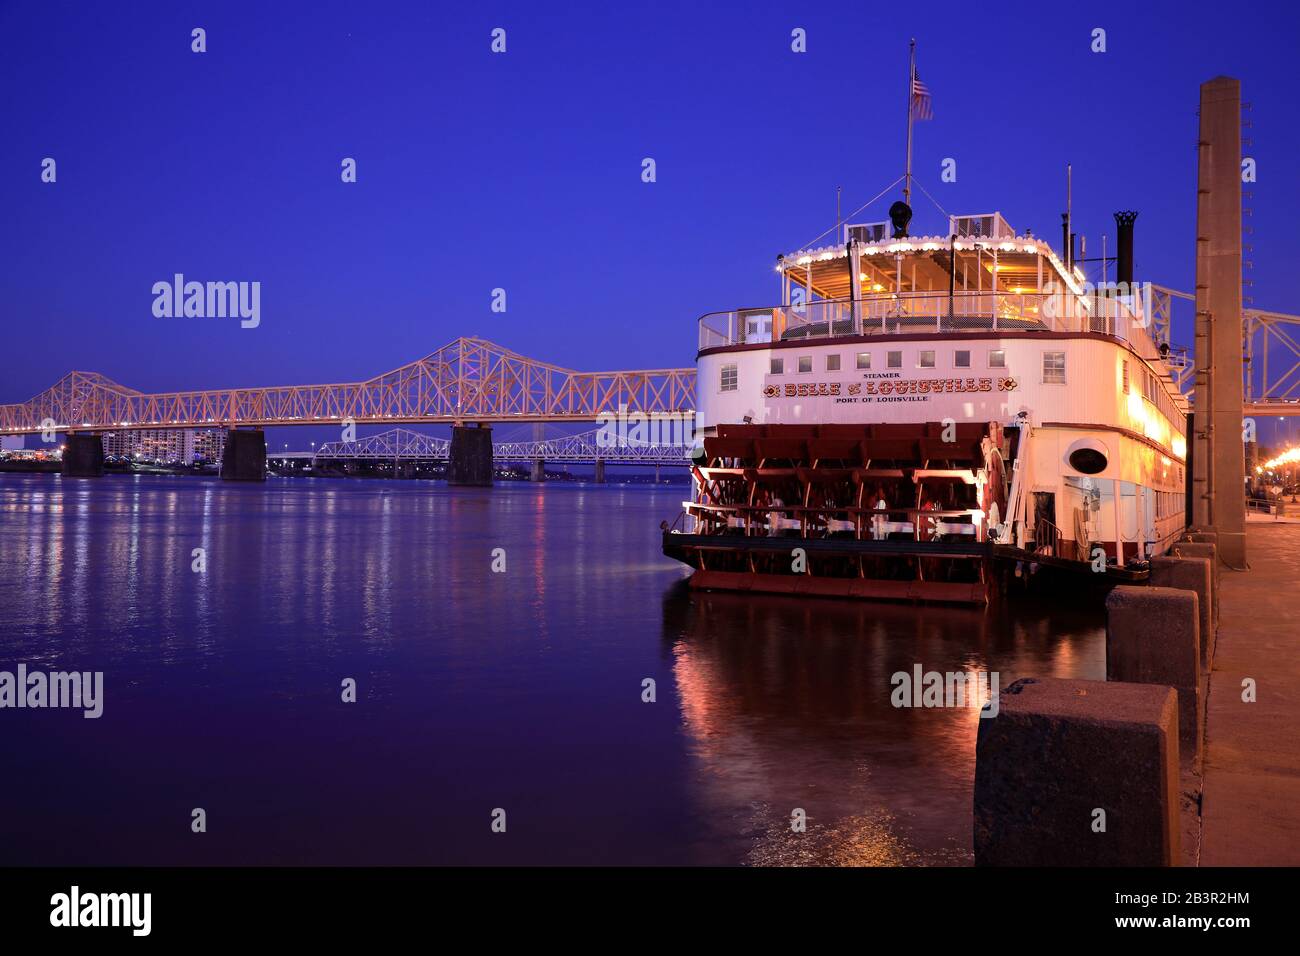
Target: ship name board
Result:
[903, 386]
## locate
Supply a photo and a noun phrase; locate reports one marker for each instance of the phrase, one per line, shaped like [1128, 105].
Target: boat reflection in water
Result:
[787, 704]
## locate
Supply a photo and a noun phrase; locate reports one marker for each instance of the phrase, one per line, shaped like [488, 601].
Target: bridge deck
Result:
[469, 380]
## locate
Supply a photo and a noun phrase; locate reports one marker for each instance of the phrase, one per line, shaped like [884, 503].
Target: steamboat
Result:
[934, 418]
[923, 417]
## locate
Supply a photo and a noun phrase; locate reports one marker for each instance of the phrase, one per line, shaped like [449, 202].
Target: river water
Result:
[478, 690]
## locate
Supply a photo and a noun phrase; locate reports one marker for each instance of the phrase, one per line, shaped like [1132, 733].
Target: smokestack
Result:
[1124, 246]
[1067, 242]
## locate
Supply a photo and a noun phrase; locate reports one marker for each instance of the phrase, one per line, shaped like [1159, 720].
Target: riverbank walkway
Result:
[1250, 805]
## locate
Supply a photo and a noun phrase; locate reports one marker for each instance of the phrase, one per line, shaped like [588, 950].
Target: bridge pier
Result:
[539, 470]
[600, 471]
[83, 456]
[469, 459]
[244, 458]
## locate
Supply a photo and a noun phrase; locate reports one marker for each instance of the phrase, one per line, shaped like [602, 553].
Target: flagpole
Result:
[911, 84]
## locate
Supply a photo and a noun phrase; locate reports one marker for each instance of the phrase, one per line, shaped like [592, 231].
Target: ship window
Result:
[998, 358]
[805, 363]
[925, 359]
[894, 360]
[1125, 364]
[778, 366]
[729, 378]
[961, 358]
[864, 360]
[1053, 368]
[832, 363]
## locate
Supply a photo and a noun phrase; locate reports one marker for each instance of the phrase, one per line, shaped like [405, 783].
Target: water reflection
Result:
[786, 703]
[477, 689]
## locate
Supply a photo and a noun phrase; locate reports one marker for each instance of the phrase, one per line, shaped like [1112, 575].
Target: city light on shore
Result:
[1288, 457]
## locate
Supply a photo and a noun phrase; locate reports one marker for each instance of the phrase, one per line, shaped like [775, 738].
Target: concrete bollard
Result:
[1078, 773]
[1152, 637]
[1203, 549]
[1191, 574]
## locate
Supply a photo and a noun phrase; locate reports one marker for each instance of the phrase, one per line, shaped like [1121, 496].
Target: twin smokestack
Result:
[1123, 244]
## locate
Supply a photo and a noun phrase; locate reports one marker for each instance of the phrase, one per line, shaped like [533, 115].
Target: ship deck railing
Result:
[930, 313]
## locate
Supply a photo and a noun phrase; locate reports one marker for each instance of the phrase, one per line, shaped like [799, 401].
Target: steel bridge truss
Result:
[1270, 348]
[402, 444]
[469, 380]
[1180, 364]
[1275, 390]
[589, 446]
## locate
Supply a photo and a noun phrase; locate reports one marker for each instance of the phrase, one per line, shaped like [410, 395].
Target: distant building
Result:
[167, 445]
[116, 444]
[204, 444]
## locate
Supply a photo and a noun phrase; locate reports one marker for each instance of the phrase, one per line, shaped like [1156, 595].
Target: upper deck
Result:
[981, 277]
[933, 313]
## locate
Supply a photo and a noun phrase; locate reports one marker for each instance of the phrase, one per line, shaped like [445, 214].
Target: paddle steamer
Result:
[927, 417]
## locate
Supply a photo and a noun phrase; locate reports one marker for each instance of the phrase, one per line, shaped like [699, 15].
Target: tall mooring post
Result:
[1218, 466]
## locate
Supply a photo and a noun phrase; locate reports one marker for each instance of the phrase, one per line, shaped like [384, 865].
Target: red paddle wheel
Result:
[884, 510]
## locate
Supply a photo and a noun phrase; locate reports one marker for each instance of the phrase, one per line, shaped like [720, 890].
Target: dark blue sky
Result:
[522, 170]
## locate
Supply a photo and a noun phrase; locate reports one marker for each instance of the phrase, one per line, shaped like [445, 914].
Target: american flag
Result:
[922, 105]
